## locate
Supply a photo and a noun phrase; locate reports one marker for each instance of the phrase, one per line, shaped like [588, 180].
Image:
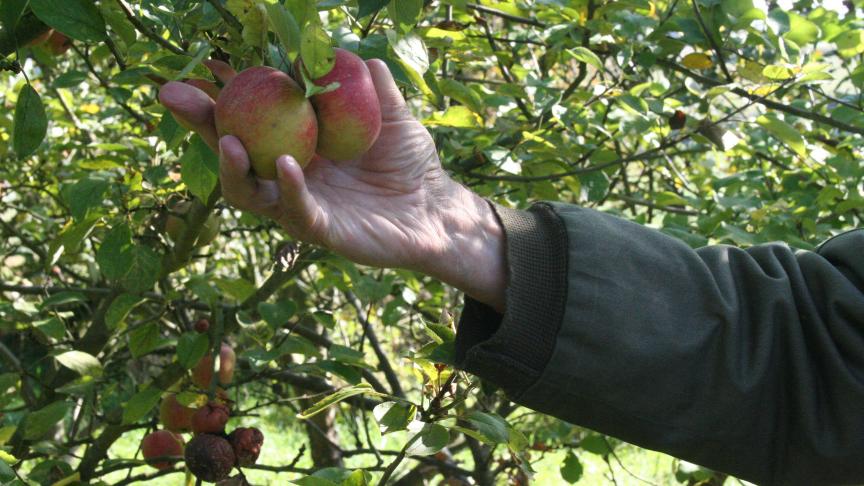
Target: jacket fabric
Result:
[749, 362]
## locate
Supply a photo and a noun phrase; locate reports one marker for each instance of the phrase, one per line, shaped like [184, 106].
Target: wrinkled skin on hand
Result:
[394, 206]
[381, 209]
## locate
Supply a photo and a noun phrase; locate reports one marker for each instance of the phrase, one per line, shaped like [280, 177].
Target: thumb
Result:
[301, 208]
[393, 106]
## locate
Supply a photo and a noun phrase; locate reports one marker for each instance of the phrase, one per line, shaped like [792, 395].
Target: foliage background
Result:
[715, 121]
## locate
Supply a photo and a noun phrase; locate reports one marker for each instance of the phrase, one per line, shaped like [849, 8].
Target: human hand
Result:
[393, 207]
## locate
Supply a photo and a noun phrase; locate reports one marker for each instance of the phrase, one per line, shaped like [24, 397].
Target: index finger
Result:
[193, 109]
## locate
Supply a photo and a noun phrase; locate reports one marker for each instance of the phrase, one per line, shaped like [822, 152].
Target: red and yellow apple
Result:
[175, 416]
[202, 373]
[268, 112]
[58, 43]
[349, 117]
[161, 444]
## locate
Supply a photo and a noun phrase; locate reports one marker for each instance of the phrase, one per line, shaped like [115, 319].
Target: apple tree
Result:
[124, 274]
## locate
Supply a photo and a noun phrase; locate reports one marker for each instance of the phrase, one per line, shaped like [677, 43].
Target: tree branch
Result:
[148, 32]
[765, 102]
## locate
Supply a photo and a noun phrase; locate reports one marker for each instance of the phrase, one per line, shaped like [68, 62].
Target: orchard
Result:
[150, 332]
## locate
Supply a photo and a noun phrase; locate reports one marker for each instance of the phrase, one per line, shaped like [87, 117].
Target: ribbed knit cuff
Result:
[512, 350]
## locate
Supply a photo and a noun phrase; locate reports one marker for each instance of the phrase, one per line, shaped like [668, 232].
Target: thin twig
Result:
[801, 113]
[148, 32]
[711, 41]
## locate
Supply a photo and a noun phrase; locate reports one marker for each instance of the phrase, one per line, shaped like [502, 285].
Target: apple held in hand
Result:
[268, 112]
[349, 117]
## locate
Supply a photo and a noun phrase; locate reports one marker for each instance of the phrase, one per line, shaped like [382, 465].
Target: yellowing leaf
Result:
[697, 60]
[253, 16]
[90, 108]
[455, 116]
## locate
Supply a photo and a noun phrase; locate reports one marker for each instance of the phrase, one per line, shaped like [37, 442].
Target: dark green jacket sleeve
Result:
[749, 361]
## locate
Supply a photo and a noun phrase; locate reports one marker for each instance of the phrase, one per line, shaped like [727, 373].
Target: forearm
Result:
[744, 361]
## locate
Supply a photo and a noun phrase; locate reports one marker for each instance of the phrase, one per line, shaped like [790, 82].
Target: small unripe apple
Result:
[58, 43]
[268, 112]
[202, 325]
[210, 419]
[210, 457]
[161, 444]
[40, 39]
[175, 225]
[349, 117]
[202, 373]
[175, 416]
[247, 444]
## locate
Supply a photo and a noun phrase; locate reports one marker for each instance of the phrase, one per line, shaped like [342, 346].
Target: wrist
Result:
[474, 253]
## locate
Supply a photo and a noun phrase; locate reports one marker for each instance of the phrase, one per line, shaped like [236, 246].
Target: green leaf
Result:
[405, 12]
[277, 314]
[303, 11]
[41, 422]
[199, 169]
[113, 254]
[393, 416]
[347, 355]
[86, 194]
[571, 469]
[7, 474]
[120, 308]
[172, 132]
[413, 59]
[801, 30]
[10, 12]
[117, 21]
[141, 404]
[429, 440]
[84, 364]
[78, 19]
[410, 50]
[461, 93]
[785, 133]
[193, 63]
[777, 72]
[191, 347]
[62, 299]
[369, 7]
[144, 339]
[236, 288]
[491, 426]
[285, 26]
[144, 268]
[31, 124]
[596, 444]
[252, 14]
[456, 116]
[52, 328]
[316, 51]
[70, 238]
[583, 54]
[334, 398]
